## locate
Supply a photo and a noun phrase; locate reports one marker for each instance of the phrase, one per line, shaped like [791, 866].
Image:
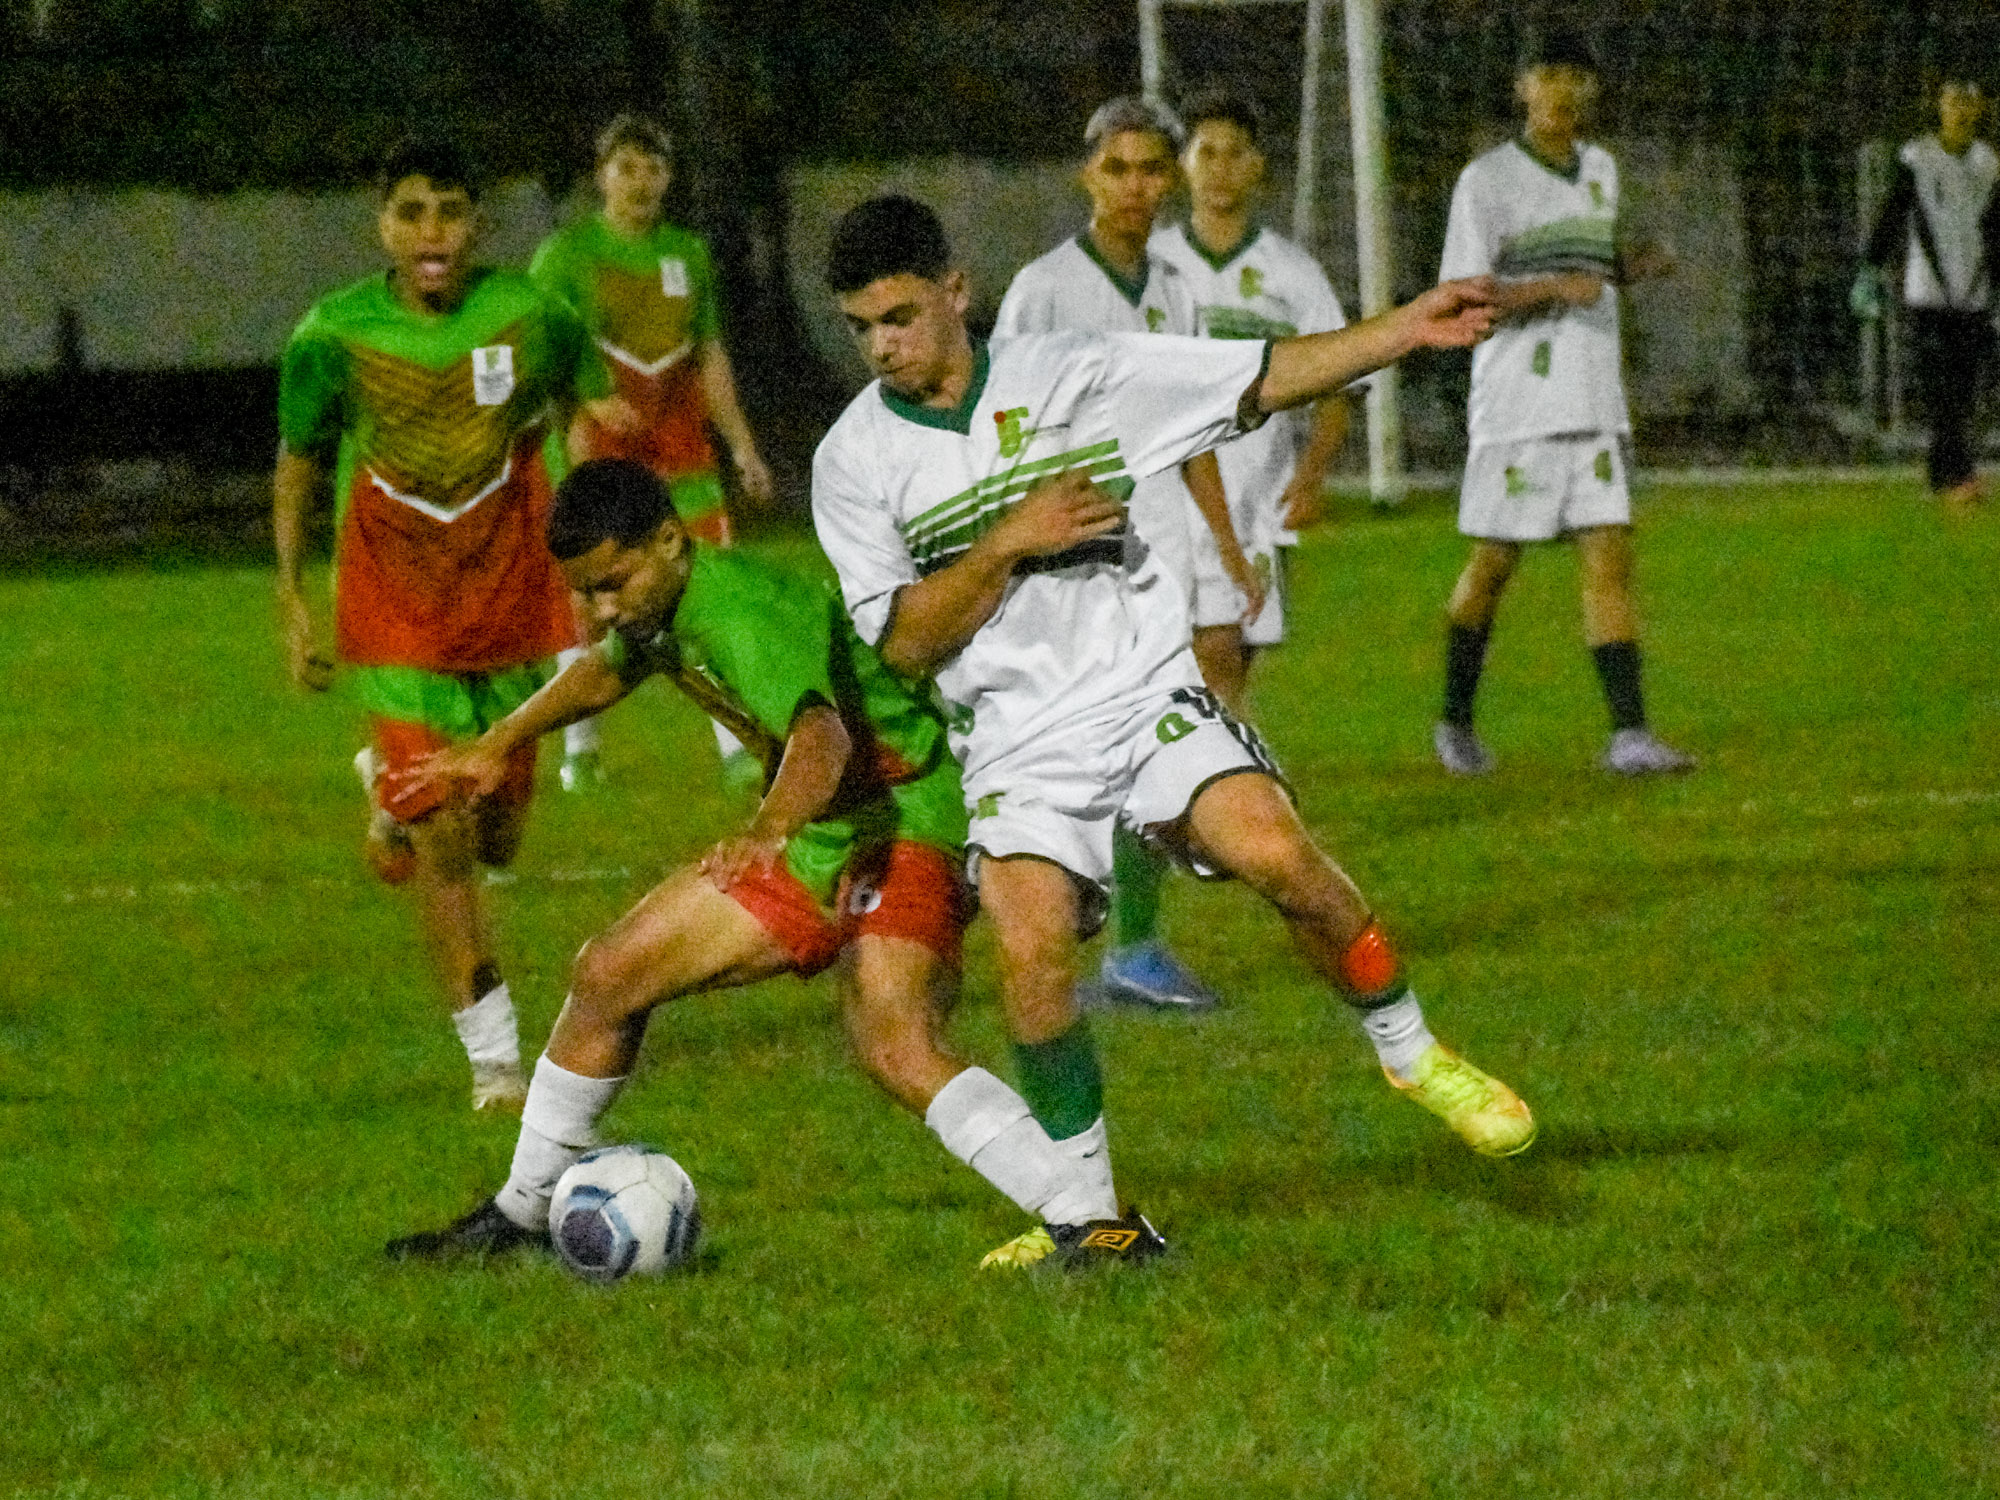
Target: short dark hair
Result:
[1223, 103]
[607, 499]
[886, 236]
[1560, 49]
[437, 158]
[630, 128]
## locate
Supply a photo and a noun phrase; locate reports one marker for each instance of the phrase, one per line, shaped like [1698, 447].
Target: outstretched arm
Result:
[935, 616]
[1451, 315]
[587, 686]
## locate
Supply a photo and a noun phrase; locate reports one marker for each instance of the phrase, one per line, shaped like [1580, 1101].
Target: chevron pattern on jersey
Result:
[949, 527]
[638, 322]
[424, 434]
[1580, 244]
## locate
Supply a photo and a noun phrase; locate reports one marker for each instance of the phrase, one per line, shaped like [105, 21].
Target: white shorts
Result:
[1541, 488]
[1060, 798]
[1218, 601]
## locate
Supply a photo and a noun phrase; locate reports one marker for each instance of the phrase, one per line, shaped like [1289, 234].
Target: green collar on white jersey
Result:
[953, 418]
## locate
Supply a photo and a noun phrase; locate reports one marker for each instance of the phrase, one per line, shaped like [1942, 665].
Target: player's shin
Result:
[990, 1128]
[492, 1038]
[558, 1124]
[1064, 1087]
[1372, 980]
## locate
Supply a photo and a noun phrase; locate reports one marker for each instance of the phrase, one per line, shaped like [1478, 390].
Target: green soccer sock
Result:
[1136, 873]
[1061, 1081]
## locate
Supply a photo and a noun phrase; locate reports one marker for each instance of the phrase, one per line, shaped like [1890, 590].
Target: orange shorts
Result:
[902, 890]
[400, 745]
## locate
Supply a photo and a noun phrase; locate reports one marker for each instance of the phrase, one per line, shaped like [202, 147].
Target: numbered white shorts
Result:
[1541, 488]
[1218, 601]
[1060, 798]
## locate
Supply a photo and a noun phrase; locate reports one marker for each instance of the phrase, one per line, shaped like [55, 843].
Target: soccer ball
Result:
[624, 1211]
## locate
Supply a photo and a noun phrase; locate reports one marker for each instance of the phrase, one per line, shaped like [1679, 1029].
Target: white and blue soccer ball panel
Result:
[624, 1211]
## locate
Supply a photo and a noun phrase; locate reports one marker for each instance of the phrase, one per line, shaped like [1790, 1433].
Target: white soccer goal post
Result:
[1373, 245]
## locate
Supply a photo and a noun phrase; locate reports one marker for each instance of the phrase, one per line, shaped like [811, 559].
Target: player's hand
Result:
[475, 768]
[1249, 582]
[746, 854]
[1301, 505]
[615, 413]
[1056, 515]
[306, 658]
[755, 476]
[1452, 314]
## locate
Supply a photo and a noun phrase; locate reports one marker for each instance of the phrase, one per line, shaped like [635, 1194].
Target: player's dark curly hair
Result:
[630, 128]
[435, 157]
[886, 236]
[607, 499]
[1219, 102]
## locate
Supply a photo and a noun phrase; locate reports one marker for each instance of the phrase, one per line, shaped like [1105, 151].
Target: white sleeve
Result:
[1171, 397]
[1027, 307]
[1466, 250]
[859, 536]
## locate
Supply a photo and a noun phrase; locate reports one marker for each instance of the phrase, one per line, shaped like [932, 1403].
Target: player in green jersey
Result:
[422, 393]
[648, 291]
[854, 855]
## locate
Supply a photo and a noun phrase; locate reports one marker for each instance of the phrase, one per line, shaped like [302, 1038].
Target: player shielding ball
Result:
[1003, 569]
[1250, 282]
[853, 857]
[424, 393]
[1550, 432]
[648, 291]
[1108, 280]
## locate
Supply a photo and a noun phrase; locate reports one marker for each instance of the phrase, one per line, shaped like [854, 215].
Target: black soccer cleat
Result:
[483, 1232]
[1105, 1241]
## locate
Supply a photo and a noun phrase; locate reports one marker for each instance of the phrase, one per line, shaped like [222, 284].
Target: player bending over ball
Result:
[1548, 422]
[853, 856]
[1249, 282]
[425, 394]
[649, 293]
[1075, 704]
[1108, 280]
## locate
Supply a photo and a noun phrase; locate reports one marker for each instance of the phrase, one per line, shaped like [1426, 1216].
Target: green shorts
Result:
[459, 705]
[929, 810]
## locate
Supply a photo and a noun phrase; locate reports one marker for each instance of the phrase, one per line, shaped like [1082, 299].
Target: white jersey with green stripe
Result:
[1516, 217]
[1266, 288]
[901, 491]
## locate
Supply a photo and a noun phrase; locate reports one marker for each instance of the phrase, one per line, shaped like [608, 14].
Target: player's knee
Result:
[601, 982]
[445, 845]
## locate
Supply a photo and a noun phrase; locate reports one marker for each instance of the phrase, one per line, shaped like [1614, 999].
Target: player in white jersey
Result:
[1251, 283]
[971, 501]
[1106, 280]
[1942, 219]
[1549, 429]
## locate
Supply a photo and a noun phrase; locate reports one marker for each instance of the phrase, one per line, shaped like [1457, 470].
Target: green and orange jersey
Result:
[650, 303]
[754, 643]
[433, 423]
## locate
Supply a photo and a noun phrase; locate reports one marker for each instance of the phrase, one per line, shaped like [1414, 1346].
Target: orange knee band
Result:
[1369, 965]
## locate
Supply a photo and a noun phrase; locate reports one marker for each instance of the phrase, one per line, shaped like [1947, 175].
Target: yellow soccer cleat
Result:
[1021, 1252]
[1488, 1116]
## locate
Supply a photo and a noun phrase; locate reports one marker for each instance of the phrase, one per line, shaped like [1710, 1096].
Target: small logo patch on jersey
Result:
[1014, 434]
[492, 374]
[1596, 193]
[1156, 319]
[1602, 468]
[1250, 283]
[1117, 1241]
[1539, 362]
[674, 276]
[988, 805]
[1173, 727]
[1517, 482]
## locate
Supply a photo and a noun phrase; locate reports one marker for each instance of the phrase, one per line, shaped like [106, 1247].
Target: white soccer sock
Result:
[488, 1028]
[726, 742]
[1399, 1033]
[990, 1128]
[558, 1124]
[580, 738]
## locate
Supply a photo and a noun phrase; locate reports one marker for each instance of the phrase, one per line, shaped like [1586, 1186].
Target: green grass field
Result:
[1756, 1010]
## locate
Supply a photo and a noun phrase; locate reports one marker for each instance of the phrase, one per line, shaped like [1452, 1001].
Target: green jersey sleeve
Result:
[707, 322]
[312, 387]
[580, 368]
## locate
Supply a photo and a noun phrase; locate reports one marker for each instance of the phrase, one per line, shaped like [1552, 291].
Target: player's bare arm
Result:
[815, 759]
[936, 616]
[1203, 477]
[294, 485]
[1302, 504]
[1451, 315]
[718, 385]
[1535, 296]
[588, 686]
